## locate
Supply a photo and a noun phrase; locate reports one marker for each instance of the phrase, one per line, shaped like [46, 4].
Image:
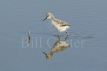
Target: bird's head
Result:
[48, 16]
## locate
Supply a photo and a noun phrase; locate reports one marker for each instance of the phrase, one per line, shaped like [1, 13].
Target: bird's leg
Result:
[59, 34]
[67, 32]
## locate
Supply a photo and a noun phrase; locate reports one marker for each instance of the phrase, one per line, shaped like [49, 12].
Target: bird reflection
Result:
[59, 46]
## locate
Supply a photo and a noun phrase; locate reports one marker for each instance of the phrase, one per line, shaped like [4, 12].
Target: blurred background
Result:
[88, 20]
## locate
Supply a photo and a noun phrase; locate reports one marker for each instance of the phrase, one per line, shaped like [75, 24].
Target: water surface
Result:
[88, 37]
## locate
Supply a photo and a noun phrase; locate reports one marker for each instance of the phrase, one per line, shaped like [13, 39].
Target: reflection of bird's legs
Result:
[58, 37]
[59, 34]
[66, 38]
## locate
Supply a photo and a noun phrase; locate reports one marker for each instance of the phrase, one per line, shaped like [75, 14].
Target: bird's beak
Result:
[45, 19]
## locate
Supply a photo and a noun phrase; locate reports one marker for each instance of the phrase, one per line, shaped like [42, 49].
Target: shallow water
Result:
[87, 40]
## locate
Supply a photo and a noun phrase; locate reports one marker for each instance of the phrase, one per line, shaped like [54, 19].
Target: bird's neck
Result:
[52, 18]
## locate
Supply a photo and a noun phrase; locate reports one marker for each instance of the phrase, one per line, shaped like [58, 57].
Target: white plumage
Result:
[60, 25]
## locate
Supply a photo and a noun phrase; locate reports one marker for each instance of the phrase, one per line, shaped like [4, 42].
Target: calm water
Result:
[88, 39]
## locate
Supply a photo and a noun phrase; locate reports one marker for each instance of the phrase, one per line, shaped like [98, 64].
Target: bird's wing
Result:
[61, 23]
